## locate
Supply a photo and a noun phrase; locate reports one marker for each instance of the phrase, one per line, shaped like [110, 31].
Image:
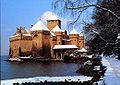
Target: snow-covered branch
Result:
[80, 12]
[99, 36]
[93, 5]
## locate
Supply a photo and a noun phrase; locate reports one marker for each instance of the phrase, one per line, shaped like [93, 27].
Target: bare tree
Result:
[106, 17]
[77, 7]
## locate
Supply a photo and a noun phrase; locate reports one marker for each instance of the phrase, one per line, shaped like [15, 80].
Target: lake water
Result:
[11, 70]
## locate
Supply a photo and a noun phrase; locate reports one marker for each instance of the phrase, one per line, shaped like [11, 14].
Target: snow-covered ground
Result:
[112, 75]
[53, 79]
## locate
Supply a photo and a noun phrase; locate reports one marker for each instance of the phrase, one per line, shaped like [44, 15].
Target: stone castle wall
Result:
[37, 43]
[74, 39]
[25, 47]
[46, 44]
[41, 43]
[20, 45]
[52, 23]
[14, 48]
[58, 38]
[81, 42]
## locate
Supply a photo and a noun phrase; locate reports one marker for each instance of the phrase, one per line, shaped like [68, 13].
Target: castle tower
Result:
[52, 23]
[40, 40]
[20, 43]
[58, 33]
[74, 37]
[81, 40]
[56, 39]
[65, 38]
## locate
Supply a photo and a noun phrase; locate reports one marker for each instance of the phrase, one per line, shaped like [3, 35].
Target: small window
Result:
[36, 44]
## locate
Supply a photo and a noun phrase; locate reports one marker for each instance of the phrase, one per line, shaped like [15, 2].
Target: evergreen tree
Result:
[107, 25]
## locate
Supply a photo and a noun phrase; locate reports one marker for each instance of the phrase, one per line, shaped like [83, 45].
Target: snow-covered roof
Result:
[81, 34]
[73, 32]
[56, 29]
[39, 26]
[82, 50]
[20, 34]
[65, 47]
[22, 31]
[52, 34]
[14, 35]
[66, 39]
[51, 16]
[26, 34]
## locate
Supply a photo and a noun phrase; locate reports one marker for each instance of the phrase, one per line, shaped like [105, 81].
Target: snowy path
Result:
[115, 64]
[112, 75]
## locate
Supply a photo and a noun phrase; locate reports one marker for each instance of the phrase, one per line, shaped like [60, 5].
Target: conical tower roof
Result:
[39, 26]
[56, 29]
[73, 32]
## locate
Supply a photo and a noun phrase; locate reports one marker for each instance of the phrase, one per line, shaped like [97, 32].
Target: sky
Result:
[16, 13]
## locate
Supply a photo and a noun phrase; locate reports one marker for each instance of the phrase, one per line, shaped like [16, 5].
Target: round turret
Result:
[74, 37]
[81, 40]
[20, 43]
[58, 32]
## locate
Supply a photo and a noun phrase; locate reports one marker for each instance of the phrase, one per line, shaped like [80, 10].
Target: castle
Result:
[44, 41]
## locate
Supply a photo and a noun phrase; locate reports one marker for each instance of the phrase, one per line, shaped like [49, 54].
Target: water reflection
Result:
[29, 69]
